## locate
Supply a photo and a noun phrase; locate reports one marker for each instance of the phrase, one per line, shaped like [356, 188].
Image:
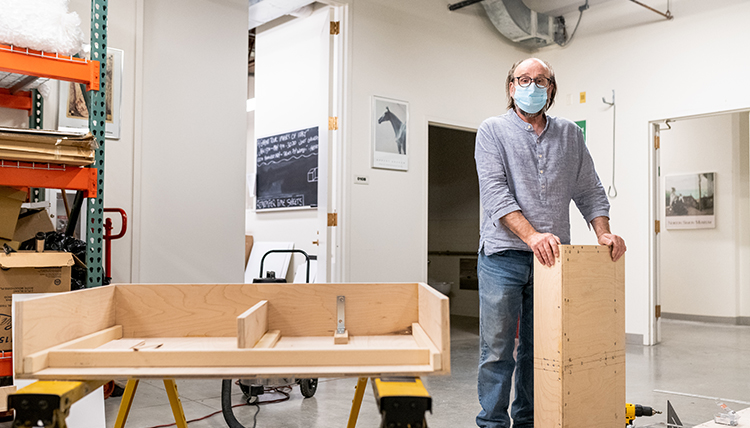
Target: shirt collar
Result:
[525, 125]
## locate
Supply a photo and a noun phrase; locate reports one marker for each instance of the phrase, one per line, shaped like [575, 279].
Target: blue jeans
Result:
[506, 291]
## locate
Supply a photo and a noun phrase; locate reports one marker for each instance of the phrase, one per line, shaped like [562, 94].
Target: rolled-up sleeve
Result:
[589, 196]
[494, 190]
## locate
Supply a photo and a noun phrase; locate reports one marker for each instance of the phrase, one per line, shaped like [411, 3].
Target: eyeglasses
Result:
[540, 82]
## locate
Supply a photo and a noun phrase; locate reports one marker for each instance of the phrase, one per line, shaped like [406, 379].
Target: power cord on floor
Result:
[285, 391]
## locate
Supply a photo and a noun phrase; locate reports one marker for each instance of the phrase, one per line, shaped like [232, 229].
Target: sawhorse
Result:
[174, 401]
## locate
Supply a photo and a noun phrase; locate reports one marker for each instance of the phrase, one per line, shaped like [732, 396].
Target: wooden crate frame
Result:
[579, 339]
[232, 331]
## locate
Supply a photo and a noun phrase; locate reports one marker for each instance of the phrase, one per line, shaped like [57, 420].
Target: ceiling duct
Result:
[528, 28]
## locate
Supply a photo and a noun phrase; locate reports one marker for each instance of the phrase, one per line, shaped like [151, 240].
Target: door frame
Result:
[654, 294]
[339, 88]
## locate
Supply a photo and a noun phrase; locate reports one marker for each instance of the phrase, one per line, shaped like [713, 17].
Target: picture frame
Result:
[689, 201]
[390, 132]
[73, 115]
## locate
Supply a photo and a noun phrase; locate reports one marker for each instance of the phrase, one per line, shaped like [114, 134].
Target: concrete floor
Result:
[694, 362]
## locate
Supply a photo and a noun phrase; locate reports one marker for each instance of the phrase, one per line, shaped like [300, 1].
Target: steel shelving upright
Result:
[29, 64]
[97, 121]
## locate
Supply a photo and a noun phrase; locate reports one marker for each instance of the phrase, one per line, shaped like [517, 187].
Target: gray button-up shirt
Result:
[537, 175]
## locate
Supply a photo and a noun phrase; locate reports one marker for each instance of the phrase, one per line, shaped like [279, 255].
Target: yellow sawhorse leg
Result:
[129, 394]
[174, 401]
[357, 402]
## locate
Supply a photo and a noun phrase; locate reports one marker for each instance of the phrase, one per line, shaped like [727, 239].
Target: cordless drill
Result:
[633, 411]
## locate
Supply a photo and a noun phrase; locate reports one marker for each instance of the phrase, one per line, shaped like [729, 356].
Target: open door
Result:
[293, 93]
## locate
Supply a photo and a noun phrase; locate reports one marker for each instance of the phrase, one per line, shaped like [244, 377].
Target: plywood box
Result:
[579, 340]
[232, 331]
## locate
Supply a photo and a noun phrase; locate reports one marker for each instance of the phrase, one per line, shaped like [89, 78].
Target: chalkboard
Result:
[287, 170]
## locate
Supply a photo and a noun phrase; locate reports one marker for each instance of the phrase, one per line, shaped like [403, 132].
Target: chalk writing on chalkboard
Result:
[287, 170]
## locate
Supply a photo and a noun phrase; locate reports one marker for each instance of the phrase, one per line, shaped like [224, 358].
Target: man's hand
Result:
[615, 243]
[545, 247]
[605, 237]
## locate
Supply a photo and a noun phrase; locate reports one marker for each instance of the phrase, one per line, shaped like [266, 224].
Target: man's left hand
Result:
[615, 243]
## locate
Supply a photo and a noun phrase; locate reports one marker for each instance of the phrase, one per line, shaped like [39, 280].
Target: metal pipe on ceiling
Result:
[462, 4]
[667, 15]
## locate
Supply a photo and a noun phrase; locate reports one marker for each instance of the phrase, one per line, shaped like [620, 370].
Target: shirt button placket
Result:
[542, 180]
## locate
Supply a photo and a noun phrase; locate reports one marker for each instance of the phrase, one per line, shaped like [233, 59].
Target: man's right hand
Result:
[545, 247]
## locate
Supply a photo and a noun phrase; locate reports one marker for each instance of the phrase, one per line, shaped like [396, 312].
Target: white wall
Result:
[190, 168]
[659, 69]
[699, 268]
[450, 67]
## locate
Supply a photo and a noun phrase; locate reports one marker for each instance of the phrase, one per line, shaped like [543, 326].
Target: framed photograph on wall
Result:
[390, 125]
[73, 115]
[689, 201]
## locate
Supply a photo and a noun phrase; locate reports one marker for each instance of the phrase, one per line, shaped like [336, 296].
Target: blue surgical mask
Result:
[531, 99]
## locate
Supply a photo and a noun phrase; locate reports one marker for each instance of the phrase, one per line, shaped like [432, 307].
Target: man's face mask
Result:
[530, 99]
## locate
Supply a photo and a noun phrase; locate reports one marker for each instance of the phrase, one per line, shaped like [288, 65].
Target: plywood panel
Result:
[252, 325]
[299, 372]
[43, 322]
[38, 360]
[222, 352]
[579, 354]
[178, 310]
[434, 318]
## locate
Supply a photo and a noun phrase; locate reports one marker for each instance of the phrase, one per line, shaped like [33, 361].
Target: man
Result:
[530, 166]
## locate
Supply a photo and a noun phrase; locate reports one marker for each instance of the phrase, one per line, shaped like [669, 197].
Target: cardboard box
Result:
[32, 222]
[248, 247]
[38, 145]
[29, 272]
[10, 206]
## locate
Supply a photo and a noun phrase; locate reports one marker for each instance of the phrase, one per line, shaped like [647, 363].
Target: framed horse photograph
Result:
[390, 119]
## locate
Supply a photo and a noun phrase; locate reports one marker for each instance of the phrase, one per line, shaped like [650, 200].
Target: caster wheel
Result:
[308, 387]
[245, 390]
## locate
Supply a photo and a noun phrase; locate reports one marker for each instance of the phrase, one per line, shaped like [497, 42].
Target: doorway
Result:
[453, 216]
[701, 189]
[300, 173]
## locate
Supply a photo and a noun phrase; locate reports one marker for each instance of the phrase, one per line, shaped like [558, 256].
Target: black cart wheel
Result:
[308, 387]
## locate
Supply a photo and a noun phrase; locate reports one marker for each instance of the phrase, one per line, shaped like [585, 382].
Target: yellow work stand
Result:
[402, 401]
[174, 401]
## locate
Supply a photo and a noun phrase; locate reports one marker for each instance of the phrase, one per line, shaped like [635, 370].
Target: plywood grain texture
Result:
[42, 323]
[184, 310]
[579, 340]
[252, 325]
[235, 330]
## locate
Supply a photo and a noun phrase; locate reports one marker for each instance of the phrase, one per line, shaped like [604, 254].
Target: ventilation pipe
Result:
[520, 24]
[526, 27]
